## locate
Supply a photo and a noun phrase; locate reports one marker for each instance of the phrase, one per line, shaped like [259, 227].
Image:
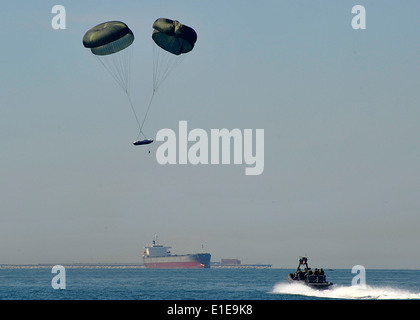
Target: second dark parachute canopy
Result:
[173, 36]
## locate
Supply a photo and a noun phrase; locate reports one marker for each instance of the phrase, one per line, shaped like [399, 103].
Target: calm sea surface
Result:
[206, 284]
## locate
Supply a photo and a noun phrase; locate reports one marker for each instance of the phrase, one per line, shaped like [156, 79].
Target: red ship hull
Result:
[187, 261]
[175, 265]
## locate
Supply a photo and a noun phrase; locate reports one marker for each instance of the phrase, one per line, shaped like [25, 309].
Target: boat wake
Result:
[345, 292]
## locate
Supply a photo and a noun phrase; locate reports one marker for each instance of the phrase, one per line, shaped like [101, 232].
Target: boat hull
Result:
[315, 282]
[188, 261]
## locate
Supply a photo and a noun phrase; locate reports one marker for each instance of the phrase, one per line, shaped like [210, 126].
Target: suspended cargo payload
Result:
[141, 142]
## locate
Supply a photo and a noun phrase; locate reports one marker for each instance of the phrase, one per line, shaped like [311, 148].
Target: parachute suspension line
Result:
[134, 111]
[118, 65]
[155, 65]
[145, 115]
[163, 64]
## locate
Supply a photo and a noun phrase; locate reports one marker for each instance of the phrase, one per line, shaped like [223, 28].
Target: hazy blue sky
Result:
[340, 109]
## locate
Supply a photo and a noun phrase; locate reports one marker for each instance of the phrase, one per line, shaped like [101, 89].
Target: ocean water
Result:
[128, 283]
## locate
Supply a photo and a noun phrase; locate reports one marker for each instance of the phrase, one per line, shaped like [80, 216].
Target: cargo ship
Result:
[157, 256]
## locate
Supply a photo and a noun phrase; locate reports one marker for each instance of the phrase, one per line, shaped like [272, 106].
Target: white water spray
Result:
[346, 292]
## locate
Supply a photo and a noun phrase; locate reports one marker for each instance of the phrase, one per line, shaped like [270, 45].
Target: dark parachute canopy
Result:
[108, 38]
[173, 36]
[175, 39]
[110, 42]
